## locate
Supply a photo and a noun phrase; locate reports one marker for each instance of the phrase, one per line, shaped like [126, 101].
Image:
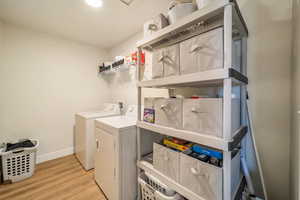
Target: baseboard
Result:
[54, 155]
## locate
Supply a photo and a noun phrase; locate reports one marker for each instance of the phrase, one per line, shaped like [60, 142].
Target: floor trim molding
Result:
[54, 155]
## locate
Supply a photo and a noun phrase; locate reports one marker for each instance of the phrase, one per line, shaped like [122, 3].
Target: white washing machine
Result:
[116, 155]
[85, 146]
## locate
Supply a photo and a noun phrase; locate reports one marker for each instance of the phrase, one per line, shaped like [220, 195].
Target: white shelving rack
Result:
[219, 13]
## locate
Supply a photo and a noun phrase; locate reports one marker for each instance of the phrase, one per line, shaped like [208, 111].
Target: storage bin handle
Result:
[195, 171]
[161, 58]
[195, 48]
[163, 107]
[194, 110]
[152, 27]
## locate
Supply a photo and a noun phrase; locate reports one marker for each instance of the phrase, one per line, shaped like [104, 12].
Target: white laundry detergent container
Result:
[180, 10]
[203, 3]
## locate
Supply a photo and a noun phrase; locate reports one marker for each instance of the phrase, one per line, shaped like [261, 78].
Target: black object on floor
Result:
[23, 144]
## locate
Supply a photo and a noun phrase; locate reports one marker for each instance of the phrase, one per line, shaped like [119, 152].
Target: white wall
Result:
[123, 84]
[44, 81]
[269, 61]
[295, 103]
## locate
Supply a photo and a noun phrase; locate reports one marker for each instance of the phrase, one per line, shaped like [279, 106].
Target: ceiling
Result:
[104, 27]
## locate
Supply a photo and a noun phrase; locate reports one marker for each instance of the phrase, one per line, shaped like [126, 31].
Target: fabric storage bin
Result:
[203, 52]
[235, 115]
[180, 10]
[203, 3]
[202, 178]
[165, 62]
[157, 64]
[168, 112]
[146, 69]
[166, 161]
[171, 60]
[155, 24]
[149, 102]
[205, 116]
[237, 55]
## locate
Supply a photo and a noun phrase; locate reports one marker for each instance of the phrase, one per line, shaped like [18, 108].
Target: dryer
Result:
[84, 133]
[116, 155]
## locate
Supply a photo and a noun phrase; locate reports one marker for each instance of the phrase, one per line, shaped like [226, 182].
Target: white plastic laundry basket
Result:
[153, 189]
[19, 164]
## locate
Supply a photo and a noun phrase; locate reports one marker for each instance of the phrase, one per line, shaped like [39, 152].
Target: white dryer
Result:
[85, 146]
[116, 155]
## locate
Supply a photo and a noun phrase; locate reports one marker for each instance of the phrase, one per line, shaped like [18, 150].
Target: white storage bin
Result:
[235, 115]
[166, 161]
[157, 64]
[149, 102]
[237, 55]
[205, 116]
[202, 178]
[171, 60]
[203, 52]
[146, 69]
[165, 62]
[180, 10]
[205, 179]
[19, 164]
[168, 112]
[203, 3]
[155, 24]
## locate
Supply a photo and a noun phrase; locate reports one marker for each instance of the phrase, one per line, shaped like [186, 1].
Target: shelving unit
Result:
[217, 143]
[203, 79]
[223, 13]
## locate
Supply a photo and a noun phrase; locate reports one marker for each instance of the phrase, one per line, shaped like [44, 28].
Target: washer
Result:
[116, 155]
[84, 133]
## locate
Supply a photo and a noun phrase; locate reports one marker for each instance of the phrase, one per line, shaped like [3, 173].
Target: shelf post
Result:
[243, 87]
[227, 91]
[139, 103]
[139, 92]
[228, 36]
[227, 176]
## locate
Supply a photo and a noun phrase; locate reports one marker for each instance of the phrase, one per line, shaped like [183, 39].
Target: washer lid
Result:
[117, 122]
[97, 114]
[109, 109]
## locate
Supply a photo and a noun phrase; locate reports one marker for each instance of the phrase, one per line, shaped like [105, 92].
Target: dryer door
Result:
[105, 169]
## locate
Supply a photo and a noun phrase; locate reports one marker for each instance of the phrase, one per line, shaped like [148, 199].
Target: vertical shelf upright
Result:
[220, 13]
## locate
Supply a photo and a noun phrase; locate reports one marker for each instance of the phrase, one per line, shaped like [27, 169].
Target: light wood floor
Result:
[63, 178]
